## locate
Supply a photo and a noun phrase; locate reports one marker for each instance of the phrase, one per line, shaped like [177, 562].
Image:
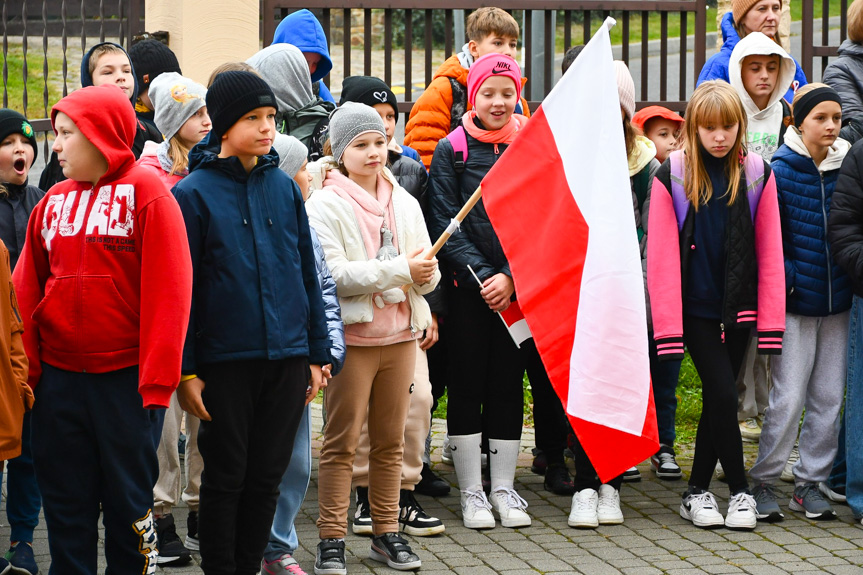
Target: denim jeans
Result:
[292, 491]
[23, 499]
[664, 376]
[854, 410]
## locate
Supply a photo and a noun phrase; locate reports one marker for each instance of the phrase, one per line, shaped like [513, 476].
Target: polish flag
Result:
[516, 324]
[561, 204]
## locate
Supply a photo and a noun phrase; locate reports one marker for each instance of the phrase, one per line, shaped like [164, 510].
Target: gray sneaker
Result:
[766, 507]
[807, 498]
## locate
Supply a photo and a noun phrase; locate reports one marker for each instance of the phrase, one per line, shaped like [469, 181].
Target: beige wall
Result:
[206, 33]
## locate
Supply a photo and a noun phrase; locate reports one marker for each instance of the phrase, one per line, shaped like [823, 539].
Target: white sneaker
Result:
[701, 509]
[510, 507]
[446, 453]
[608, 509]
[750, 430]
[584, 511]
[788, 472]
[741, 512]
[476, 510]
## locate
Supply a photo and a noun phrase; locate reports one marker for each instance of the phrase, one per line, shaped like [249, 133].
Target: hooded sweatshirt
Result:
[301, 114]
[105, 278]
[764, 126]
[716, 67]
[303, 30]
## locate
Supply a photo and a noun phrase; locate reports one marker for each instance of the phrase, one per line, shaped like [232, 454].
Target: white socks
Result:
[466, 450]
[503, 457]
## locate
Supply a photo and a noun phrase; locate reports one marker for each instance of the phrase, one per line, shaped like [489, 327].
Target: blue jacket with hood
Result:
[255, 293]
[716, 67]
[303, 30]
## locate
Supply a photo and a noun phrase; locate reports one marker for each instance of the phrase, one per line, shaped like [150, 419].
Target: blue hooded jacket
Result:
[716, 67]
[87, 78]
[255, 293]
[303, 30]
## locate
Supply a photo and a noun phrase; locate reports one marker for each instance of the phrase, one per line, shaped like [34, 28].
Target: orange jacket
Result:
[16, 397]
[430, 116]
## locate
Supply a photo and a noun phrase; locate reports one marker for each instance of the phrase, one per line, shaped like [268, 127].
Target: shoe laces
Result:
[666, 458]
[476, 499]
[584, 503]
[741, 502]
[510, 498]
[410, 507]
[612, 500]
[809, 492]
[764, 492]
[703, 500]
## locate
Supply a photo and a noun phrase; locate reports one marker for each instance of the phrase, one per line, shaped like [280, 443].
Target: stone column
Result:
[206, 33]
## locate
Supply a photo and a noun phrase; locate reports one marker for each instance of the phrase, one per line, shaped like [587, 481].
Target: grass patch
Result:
[36, 84]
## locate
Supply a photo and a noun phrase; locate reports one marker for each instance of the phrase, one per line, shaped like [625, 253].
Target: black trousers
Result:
[718, 437]
[256, 407]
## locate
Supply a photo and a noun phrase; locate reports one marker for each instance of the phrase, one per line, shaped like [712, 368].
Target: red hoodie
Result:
[104, 280]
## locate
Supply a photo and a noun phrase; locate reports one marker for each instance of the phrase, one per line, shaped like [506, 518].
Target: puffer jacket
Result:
[815, 285]
[845, 224]
[431, 116]
[335, 327]
[476, 243]
[150, 160]
[716, 67]
[845, 75]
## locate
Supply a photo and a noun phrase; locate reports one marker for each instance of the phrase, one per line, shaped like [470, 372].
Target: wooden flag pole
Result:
[459, 218]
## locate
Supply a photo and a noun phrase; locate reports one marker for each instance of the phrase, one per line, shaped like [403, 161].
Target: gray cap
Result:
[292, 153]
[349, 121]
[175, 99]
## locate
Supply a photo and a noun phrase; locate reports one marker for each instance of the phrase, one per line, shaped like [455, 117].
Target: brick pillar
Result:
[206, 33]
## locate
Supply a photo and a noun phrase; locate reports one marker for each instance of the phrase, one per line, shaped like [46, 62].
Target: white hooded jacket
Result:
[764, 125]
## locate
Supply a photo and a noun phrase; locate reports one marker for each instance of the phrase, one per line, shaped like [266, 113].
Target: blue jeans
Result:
[854, 410]
[292, 491]
[23, 500]
[664, 376]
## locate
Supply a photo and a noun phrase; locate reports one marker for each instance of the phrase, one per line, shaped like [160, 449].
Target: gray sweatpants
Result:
[810, 373]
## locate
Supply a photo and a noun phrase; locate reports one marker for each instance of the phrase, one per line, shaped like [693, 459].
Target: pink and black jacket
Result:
[755, 274]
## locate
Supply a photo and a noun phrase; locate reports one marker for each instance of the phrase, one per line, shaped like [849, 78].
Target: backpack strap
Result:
[753, 166]
[678, 193]
[458, 139]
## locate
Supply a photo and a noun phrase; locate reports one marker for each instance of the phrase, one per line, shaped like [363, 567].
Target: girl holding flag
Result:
[485, 381]
[714, 269]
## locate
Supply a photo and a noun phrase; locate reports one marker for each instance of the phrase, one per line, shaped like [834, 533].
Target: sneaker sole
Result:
[515, 523]
[826, 516]
[375, 555]
[668, 475]
[321, 571]
[192, 544]
[741, 526]
[423, 531]
[445, 459]
[172, 561]
[362, 529]
[831, 495]
[582, 524]
[611, 520]
[479, 524]
[684, 513]
[631, 478]
[772, 517]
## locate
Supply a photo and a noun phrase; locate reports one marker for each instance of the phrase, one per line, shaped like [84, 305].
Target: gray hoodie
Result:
[764, 125]
[285, 69]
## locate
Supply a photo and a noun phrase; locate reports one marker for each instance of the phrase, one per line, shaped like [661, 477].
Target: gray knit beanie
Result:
[292, 153]
[349, 121]
[175, 99]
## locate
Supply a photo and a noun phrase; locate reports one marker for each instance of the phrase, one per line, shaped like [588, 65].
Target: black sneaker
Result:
[192, 543]
[392, 549]
[632, 474]
[540, 462]
[21, 559]
[362, 524]
[171, 549]
[330, 558]
[430, 484]
[664, 464]
[557, 480]
[413, 520]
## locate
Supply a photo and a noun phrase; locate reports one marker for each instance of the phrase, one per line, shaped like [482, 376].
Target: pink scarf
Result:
[371, 213]
[504, 135]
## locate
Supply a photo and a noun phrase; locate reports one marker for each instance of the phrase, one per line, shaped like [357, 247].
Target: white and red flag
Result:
[561, 204]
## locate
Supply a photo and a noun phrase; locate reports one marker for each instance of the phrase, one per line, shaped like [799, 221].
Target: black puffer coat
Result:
[845, 224]
[476, 244]
[845, 75]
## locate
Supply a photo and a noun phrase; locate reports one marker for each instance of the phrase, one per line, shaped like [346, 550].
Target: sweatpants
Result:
[256, 407]
[23, 500]
[485, 388]
[292, 492]
[753, 383]
[167, 491]
[718, 364]
[374, 384]
[551, 423]
[809, 374]
[416, 431]
[94, 443]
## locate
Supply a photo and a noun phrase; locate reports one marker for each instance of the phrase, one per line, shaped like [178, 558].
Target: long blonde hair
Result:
[713, 102]
[178, 151]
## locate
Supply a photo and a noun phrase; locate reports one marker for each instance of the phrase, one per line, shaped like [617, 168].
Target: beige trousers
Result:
[374, 385]
[724, 6]
[416, 431]
[166, 492]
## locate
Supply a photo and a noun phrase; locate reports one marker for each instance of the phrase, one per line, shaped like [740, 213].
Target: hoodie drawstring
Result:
[240, 207]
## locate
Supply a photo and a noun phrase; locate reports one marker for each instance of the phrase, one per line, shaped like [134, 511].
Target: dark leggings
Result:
[585, 473]
[718, 436]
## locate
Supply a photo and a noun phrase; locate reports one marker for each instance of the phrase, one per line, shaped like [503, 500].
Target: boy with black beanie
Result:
[150, 58]
[257, 331]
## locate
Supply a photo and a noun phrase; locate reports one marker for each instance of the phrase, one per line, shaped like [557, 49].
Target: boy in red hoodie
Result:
[104, 286]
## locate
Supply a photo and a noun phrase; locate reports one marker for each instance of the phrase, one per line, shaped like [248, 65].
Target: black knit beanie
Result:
[12, 122]
[233, 94]
[368, 90]
[151, 58]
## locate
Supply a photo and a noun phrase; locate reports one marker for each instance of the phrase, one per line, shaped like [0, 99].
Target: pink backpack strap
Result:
[678, 193]
[458, 139]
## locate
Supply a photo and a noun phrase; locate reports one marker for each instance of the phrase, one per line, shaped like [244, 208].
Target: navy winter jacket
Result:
[335, 325]
[815, 284]
[255, 293]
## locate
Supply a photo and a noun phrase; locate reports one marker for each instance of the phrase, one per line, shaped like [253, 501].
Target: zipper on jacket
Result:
[722, 332]
[826, 244]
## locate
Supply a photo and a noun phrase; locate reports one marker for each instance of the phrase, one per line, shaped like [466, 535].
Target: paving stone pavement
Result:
[653, 538]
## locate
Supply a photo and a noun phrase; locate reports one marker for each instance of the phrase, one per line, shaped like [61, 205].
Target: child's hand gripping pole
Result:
[451, 228]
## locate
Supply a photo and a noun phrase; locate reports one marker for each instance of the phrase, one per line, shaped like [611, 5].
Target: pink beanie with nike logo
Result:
[492, 65]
